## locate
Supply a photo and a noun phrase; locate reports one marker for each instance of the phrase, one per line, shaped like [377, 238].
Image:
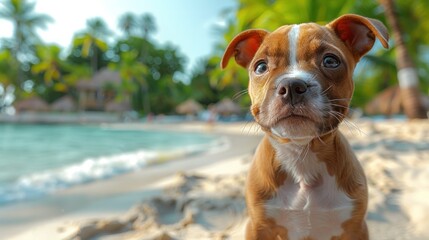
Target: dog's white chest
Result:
[309, 205]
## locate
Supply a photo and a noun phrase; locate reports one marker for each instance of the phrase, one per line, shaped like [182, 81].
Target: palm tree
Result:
[92, 40]
[133, 74]
[407, 71]
[25, 22]
[128, 24]
[147, 23]
[50, 65]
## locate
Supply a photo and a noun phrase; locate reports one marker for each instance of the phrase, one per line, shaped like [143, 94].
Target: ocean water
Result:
[39, 159]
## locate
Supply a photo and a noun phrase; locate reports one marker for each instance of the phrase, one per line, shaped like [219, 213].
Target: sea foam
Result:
[91, 169]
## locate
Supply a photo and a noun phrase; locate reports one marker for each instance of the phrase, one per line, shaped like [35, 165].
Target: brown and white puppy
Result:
[305, 182]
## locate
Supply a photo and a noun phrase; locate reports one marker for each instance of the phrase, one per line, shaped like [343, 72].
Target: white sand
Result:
[205, 200]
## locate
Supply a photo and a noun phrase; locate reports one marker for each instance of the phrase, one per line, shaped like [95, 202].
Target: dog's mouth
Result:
[294, 126]
[294, 117]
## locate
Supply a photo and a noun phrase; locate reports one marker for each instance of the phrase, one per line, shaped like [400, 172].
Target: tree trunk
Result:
[146, 100]
[16, 51]
[407, 71]
[94, 60]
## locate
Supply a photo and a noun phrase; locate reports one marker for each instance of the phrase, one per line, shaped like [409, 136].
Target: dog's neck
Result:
[303, 159]
[304, 141]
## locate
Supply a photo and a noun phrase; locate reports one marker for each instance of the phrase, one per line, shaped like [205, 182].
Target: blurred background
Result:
[132, 59]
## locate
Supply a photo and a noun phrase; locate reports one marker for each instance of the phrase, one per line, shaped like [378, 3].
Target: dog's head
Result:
[300, 76]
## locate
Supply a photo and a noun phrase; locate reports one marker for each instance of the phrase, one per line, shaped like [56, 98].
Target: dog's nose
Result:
[292, 91]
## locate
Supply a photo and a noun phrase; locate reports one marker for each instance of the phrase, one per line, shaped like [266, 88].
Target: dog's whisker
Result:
[246, 126]
[321, 140]
[304, 152]
[333, 114]
[307, 149]
[357, 128]
[350, 125]
[327, 89]
[338, 113]
[251, 127]
[339, 99]
[239, 94]
[255, 128]
[341, 106]
[339, 117]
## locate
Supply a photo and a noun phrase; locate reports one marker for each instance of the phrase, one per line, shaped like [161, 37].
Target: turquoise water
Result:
[38, 159]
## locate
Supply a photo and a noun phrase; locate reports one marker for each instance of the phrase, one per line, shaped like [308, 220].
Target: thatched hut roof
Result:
[64, 104]
[227, 107]
[100, 80]
[389, 102]
[33, 104]
[190, 106]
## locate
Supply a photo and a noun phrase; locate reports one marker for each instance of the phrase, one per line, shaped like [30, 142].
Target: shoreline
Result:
[97, 198]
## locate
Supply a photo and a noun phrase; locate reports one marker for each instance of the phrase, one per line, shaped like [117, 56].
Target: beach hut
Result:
[117, 106]
[227, 107]
[96, 92]
[32, 104]
[189, 107]
[64, 104]
[389, 102]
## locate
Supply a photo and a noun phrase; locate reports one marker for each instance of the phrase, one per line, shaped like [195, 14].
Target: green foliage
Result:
[272, 14]
[151, 72]
[133, 74]
[49, 63]
[8, 68]
[206, 90]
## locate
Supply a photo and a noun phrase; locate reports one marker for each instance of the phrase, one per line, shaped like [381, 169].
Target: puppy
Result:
[304, 181]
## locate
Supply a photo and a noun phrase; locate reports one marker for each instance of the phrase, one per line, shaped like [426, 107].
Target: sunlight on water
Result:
[36, 159]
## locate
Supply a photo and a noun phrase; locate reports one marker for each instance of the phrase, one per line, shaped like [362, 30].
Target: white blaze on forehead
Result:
[293, 45]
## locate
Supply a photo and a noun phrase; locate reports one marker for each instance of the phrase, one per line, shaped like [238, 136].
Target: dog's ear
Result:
[358, 33]
[243, 47]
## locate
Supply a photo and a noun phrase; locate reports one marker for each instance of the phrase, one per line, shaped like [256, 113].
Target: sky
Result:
[187, 24]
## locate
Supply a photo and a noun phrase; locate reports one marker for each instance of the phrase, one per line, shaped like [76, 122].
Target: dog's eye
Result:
[331, 61]
[261, 67]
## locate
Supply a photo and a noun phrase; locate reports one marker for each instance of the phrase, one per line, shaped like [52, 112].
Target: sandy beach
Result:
[201, 196]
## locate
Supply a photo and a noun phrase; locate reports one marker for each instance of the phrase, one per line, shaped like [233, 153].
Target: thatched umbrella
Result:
[32, 104]
[64, 104]
[227, 107]
[189, 107]
[389, 102]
